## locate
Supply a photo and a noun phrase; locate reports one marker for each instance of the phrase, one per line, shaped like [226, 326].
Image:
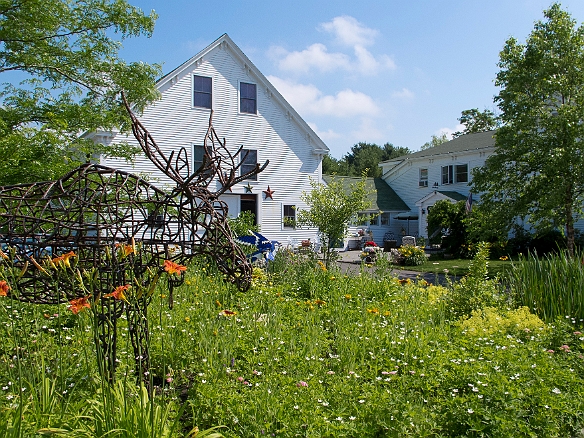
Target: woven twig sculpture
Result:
[102, 238]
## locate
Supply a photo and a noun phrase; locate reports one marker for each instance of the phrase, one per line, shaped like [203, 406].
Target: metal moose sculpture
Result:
[102, 238]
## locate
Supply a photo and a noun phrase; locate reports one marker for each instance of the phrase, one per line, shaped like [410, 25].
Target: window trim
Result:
[240, 98]
[194, 92]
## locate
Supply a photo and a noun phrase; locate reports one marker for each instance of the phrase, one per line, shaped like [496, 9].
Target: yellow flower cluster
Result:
[490, 320]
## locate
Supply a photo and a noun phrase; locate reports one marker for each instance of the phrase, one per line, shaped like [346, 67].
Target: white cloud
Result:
[348, 31]
[367, 131]
[449, 131]
[351, 34]
[307, 99]
[315, 56]
[404, 94]
[324, 135]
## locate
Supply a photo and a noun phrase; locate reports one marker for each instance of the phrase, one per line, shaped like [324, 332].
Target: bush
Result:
[412, 255]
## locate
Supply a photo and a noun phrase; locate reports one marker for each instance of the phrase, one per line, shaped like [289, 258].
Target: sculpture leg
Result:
[138, 327]
[106, 340]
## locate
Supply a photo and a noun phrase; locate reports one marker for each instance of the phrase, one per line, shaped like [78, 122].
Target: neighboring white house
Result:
[441, 172]
[248, 111]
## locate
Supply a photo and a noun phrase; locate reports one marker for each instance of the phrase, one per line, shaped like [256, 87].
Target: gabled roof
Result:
[227, 43]
[463, 144]
[383, 198]
[455, 196]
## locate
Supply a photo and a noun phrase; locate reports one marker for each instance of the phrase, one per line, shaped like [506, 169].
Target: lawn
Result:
[459, 267]
[305, 352]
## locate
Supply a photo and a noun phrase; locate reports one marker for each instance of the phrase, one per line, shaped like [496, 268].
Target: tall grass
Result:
[551, 286]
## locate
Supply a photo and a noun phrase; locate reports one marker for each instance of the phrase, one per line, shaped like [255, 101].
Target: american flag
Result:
[468, 204]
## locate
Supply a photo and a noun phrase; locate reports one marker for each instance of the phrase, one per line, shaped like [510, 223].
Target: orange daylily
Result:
[174, 268]
[78, 304]
[126, 249]
[64, 258]
[4, 288]
[118, 293]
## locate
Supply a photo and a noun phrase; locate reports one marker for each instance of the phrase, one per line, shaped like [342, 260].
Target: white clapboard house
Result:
[441, 172]
[248, 111]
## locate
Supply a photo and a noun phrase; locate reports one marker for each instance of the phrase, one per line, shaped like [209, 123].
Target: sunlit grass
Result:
[307, 351]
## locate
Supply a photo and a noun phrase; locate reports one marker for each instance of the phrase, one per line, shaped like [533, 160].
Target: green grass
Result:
[459, 267]
[310, 352]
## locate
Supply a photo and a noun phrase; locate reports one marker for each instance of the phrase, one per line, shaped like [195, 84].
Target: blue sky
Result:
[373, 71]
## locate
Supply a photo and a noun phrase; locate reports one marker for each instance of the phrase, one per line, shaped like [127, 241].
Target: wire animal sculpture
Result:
[101, 238]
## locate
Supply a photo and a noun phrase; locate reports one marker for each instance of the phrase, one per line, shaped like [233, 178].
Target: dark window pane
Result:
[462, 173]
[203, 100]
[202, 91]
[249, 160]
[247, 98]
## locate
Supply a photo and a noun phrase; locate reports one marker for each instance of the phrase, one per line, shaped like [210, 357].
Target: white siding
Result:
[174, 122]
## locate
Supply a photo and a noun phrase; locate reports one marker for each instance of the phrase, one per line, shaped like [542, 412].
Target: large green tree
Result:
[62, 76]
[436, 140]
[330, 208]
[475, 121]
[537, 171]
[363, 158]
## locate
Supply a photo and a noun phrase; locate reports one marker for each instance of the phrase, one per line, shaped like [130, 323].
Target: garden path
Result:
[350, 262]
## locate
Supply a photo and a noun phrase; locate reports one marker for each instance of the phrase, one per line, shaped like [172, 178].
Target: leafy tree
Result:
[446, 225]
[331, 207]
[476, 121]
[364, 157]
[436, 141]
[537, 171]
[62, 58]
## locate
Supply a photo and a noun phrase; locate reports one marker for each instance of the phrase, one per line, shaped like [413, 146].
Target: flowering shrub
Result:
[412, 255]
[488, 321]
[370, 243]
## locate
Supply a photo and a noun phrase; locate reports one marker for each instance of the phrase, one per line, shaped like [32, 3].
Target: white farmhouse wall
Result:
[274, 132]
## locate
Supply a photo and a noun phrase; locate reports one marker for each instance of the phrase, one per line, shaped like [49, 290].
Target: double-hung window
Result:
[247, 98]
[289, 216]
[199, 156]
[423, 178]
[462, 173]
[447, 174]
[202, 91]
[249, 160]
[457, 173]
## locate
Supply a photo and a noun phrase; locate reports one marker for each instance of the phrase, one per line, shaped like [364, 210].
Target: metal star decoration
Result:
[269, 193]
[248, 188]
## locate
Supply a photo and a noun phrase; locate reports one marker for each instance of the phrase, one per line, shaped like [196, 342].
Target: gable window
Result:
[289, 216]
[199, 155]
[249, 160]
[462, 173]
[202, 91]
[423, 178]
[247, 98]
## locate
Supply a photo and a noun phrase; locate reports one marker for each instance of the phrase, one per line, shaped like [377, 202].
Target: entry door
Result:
[249, 203]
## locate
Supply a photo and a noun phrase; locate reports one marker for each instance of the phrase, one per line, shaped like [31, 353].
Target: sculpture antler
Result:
[216, 158]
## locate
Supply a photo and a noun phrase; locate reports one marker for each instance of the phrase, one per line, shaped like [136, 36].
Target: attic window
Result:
[247, 98]
[202, 91]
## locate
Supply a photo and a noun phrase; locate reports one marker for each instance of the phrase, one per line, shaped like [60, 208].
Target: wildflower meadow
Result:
[307, 351]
